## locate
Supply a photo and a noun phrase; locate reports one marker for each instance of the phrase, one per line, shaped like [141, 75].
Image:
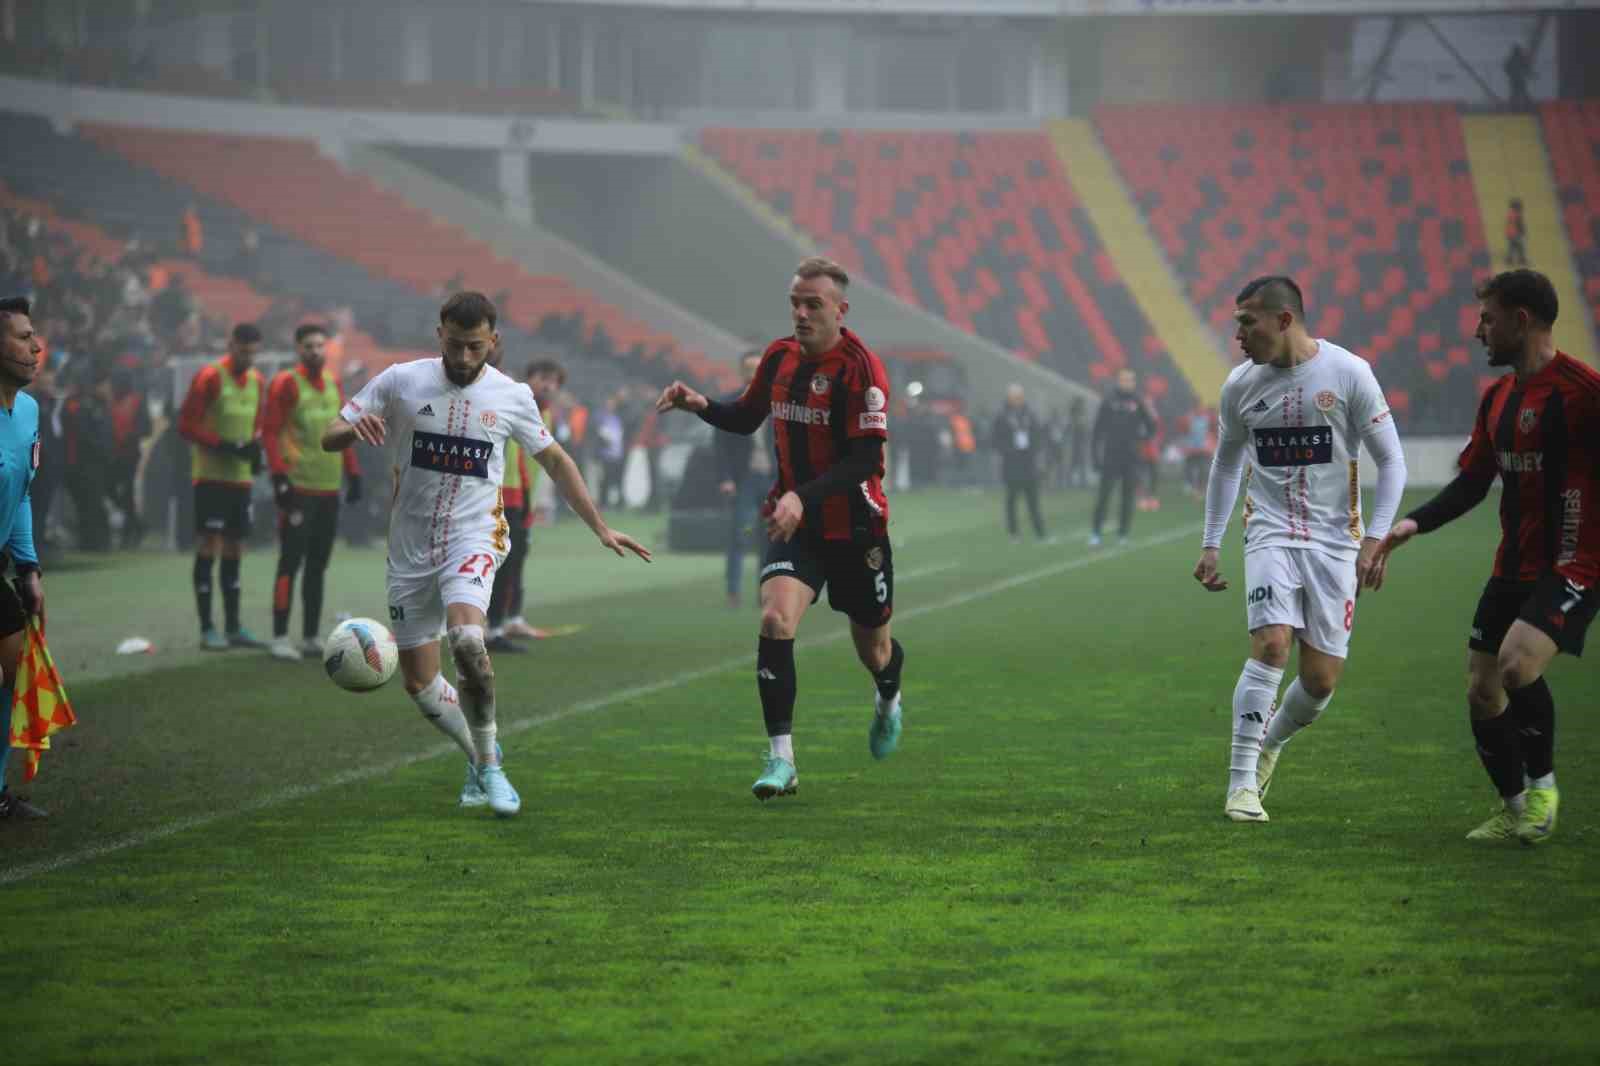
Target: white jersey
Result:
[1302, 430]
[447, 451]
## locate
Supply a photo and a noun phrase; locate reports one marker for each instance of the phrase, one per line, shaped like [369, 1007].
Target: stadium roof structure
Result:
[1064, 8]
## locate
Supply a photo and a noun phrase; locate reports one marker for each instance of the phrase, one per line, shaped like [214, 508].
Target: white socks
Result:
[1252, 706]
[484, 737]
[783, 747]
[440, 705]
[1295, 711]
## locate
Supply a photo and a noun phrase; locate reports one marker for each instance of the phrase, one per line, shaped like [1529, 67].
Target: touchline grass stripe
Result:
[634, 692]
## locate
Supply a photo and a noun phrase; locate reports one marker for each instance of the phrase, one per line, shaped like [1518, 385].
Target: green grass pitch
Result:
[246, 865]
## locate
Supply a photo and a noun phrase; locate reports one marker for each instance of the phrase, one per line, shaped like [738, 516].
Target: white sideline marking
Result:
[522, 725]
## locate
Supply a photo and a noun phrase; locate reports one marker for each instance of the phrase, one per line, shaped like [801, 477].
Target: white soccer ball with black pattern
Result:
[360, 654]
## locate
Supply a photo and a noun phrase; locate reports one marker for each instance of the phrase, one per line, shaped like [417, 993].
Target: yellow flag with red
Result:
[39, 704]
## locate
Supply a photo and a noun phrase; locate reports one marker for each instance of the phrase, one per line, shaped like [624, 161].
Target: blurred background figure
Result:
[1018, 439]
[1199, 441]
[1516, 235]
[744, 465]
[610, 440]
[1121, 427]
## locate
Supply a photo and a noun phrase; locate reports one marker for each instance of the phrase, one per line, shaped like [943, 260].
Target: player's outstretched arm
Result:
[569, 481]
[680, 397]
[340, 434]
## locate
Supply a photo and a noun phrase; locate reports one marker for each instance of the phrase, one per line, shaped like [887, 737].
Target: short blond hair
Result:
[816, 266]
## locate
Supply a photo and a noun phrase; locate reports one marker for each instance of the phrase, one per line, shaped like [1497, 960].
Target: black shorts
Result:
[310, 519]
[223, 509]
[859, 575]
[1552, 605]
[13, 619]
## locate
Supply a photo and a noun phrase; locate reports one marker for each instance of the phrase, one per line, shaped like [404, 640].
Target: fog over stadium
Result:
[345, 346]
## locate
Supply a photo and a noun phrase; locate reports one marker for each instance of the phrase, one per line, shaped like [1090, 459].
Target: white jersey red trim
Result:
[1302, 429]
[446, 448]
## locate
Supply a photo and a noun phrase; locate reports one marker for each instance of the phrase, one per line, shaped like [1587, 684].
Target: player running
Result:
[827, 518]
[1538, 428]
[1294, 418]
[305, 485]
[449, 419]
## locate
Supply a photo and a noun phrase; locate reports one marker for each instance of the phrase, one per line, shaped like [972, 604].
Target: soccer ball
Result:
[360, 654]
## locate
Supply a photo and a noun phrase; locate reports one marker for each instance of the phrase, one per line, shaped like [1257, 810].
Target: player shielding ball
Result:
[1538, 430]
[447, 421]
[827, 518]
[1293, 418]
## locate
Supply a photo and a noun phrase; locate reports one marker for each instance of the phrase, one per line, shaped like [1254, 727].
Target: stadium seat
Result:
[1572, 137]
[983, 229]
[1370, 207]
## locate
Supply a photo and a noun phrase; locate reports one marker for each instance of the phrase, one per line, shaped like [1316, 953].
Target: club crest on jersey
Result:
[1325, 400]
[819, 384]
[488, 419]
[1526, 418]
[874, 558]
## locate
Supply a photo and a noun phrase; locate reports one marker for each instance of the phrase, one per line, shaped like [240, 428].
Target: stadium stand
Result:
[389, 282]
[1572, 137]
[288, 185]
[1370, 207]
[982, 228]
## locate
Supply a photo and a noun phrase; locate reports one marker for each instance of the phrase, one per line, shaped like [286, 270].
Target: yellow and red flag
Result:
[39, 704]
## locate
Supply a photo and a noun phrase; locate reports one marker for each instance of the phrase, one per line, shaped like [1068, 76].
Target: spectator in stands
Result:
[191, 234]
[744, 465]
[221, 419]
[247, 261]
[1017, 438]
[1121, 426]
[1518, 68]
[610, 441]
[1516, 235]
[170, 308]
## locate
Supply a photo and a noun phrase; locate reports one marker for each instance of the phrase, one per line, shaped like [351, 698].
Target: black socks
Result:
[776, 681]
[888, 679]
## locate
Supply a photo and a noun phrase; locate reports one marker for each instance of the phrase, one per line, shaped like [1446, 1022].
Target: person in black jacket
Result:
[1017, 438]
[744, 465]
[1120, 426]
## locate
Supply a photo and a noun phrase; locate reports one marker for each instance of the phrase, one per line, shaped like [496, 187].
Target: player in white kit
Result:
[1293, 419]
[446, 421]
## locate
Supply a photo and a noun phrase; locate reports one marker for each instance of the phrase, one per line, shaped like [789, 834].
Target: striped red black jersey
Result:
[1542, 436]
[818, 405]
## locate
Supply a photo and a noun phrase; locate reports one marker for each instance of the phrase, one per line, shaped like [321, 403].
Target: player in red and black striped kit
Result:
[1538, 429]
[827, 518]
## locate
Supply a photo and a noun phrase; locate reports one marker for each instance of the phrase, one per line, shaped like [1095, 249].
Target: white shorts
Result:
[1313, 592]
[417, 602]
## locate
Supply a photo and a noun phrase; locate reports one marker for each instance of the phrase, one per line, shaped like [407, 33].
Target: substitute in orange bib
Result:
[305, 486]
[221, 418]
